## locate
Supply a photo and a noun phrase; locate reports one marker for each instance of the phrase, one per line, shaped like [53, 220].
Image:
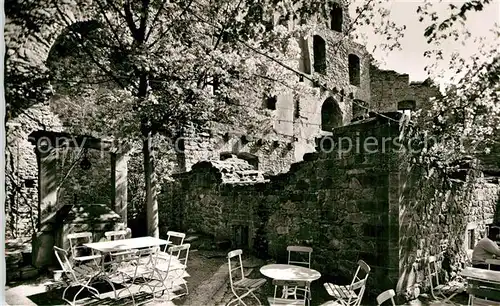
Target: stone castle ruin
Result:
[234, 181]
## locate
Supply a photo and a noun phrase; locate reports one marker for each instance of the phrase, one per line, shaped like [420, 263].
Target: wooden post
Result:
[119, 184]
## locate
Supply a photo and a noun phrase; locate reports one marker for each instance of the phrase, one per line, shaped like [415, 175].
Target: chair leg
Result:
[93, 291]
[76, 295]
[64, 293]
[251, 293]
[239, 298]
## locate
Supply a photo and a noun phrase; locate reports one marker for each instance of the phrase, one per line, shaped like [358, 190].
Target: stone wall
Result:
[371, 203]
[336, 203]
[438, 210]
[273, 152]
[21, 179]
[390, 87]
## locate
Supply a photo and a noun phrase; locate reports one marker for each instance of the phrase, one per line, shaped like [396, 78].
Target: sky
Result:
[410, 58]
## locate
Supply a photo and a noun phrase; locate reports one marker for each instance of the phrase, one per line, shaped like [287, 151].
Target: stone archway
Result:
[331, 115]
[34, 47]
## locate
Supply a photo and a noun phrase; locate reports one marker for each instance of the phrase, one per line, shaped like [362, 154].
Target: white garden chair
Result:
[80, 276]
[173, 238]
[445, 291]
[79, 252]
[241, 284]
[350, 295]
[116, 235]
[298, 255]
[170, 272]
[386, 296]
[128, 271]
[291, 300]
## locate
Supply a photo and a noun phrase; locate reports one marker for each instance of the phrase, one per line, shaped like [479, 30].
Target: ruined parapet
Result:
[234, 171]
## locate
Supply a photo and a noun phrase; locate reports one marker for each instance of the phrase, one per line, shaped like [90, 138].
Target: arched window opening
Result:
[354, 70]
[407, 105]
[336, 17]
[319, 49]
[331, 115]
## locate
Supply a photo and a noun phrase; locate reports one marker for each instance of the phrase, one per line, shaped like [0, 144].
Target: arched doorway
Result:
[331, 115]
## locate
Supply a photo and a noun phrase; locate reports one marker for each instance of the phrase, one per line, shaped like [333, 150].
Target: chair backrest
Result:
[233, 269]
[361, 274]
[302, 252]
[385, 296]
[133, 260]
[303, 286]
[359, 281]
[433, 271]
[116, 235]
[175, 237]
[66, 266]
[181, 252]
[75, 243]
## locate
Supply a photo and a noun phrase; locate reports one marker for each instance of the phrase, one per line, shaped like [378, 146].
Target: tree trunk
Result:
[150, 180]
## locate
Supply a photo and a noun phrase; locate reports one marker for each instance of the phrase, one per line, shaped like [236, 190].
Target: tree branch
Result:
[170, 26]
[129, 18]
[115, 33]
[144, 19]
[155, 19]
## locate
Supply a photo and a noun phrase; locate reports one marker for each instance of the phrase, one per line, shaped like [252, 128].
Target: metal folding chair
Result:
[298, 255]
[350, 295]
[290, 299]
[170, 273]
[242, 284]
[445, 291]
[80, 253]
[128, 271]
[173, 238]
[78, 276]
[116, 235]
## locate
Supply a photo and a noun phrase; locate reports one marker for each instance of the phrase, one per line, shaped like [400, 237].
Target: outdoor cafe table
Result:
[290, 273]
[123, 245]
[126, 244]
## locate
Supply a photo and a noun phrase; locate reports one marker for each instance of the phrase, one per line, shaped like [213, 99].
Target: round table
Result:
[290, 272]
